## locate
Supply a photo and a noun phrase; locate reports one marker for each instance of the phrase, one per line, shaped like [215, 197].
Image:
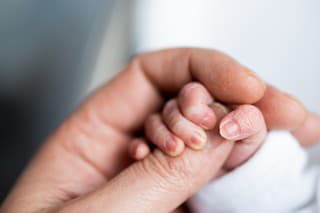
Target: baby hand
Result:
[194, 118]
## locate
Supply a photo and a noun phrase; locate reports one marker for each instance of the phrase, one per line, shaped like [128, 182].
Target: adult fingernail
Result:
[229, 129]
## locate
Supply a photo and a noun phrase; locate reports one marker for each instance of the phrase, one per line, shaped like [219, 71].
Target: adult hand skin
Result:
[84, 165]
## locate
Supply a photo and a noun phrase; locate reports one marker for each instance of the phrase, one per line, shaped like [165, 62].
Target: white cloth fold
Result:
[276, 179]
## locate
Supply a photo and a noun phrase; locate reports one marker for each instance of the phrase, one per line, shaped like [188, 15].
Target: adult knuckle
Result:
[172, 170]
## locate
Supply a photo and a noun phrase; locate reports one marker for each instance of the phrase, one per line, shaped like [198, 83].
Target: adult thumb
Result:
[158, 184]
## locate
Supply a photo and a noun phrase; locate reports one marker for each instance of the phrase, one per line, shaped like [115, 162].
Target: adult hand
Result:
[84, 166]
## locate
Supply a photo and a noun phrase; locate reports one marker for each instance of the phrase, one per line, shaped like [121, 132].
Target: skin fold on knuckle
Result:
[153, 131]
[170, 114]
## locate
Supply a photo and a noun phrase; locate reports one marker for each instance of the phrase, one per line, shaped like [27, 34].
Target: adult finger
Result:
[157, 184]
[281, 111]
[308, 133]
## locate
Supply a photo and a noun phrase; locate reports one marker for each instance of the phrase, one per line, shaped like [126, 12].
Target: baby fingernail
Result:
[171, 145]
[174, 146]
[208, 121]
[198, 140]
[229, 129]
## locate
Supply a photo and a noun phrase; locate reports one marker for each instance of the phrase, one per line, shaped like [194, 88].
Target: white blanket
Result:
[276, 179]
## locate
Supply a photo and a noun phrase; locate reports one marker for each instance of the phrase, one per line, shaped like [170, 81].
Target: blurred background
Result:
[53, 53]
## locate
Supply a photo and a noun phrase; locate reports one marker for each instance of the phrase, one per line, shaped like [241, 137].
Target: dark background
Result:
[45, 59]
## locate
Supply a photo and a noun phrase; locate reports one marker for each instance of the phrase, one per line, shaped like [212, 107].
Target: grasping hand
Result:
[185, 119]
[84, 166]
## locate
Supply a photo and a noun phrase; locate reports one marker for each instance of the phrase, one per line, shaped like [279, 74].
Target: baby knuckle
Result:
[172, 116]
[151, 120]
[178, 126]
[189, 89]
[169, 108]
